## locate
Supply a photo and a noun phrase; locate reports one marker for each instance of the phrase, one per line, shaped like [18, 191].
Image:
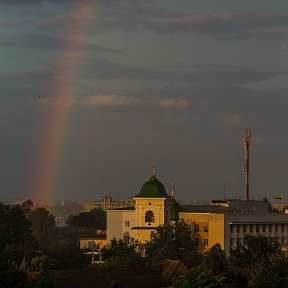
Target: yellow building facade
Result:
[208, 229]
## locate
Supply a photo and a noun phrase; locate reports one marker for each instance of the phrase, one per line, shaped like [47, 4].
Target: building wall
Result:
[208, 229]
[228, 229]
[119, 222]
[161, 209]
[268, 225]
[157, 205]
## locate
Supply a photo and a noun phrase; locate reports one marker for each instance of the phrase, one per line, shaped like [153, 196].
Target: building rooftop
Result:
[122, 208]
[206, 209]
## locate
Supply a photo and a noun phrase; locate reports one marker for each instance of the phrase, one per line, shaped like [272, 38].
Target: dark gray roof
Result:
[122, 208]
[207, 209]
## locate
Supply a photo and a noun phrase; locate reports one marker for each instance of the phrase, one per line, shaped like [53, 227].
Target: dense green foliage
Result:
[198, 277]
[41, 221]
[173, 241]
[95, 218]
[123, 252]
[16, 242]
[254, 249]
[53, 247]
[271, 273]
[12, 277]
[14, 226]
[66, 254]
[213, 272]
[202, 277]
[215, 260]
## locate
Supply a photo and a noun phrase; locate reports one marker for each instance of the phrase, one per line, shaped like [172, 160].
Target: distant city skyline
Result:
[92, 92]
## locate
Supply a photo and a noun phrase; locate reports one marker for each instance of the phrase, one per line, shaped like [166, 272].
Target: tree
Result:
[215, 260]
[16, 234]
[199, 277]
[41, 221]
[14, 226]
[95, 218]
[39, 263]
[43, 280]
[172, 241]
[271, 273]
[254, 249]
[66, 254]
[123, 252]
[100, 218]
[11, 276]
[27, 206]
[202, 277]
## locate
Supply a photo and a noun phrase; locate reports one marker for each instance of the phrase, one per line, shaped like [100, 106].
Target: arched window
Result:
[149, 216]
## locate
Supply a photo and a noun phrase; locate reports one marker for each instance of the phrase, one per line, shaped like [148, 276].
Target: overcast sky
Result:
[91, 93]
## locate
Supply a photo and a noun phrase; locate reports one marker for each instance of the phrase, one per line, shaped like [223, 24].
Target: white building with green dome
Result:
[153, 207]
[225, 222]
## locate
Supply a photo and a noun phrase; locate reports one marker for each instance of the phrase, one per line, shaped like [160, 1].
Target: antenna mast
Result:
[247, 142]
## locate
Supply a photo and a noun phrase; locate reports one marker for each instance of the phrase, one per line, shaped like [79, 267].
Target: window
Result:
[197, 242]
[276, 227]
[196, 227]
[205, 228]
[263, 228]
[205, 242]
[257, 228]
[127, 223]
[244, 228]
[251, 228]
[270, 228]
[231, 228]
[149, 216]
[282, 227]
[238, 228]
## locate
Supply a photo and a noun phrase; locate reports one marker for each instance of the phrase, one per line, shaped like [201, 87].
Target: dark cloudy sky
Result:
[129, 82]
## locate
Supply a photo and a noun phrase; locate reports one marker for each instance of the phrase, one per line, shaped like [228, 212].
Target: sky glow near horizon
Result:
[91, 93]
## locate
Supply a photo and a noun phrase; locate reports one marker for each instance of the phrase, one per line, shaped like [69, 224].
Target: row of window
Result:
[234, 241]
[197, 242]
[197, 227]
[258, 227]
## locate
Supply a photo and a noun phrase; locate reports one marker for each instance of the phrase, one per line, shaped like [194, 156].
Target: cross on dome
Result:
[153, 177]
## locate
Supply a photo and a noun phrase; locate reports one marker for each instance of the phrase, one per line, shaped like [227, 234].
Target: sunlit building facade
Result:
[224, 222]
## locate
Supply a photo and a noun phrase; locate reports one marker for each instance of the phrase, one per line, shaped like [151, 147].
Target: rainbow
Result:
[52, 142]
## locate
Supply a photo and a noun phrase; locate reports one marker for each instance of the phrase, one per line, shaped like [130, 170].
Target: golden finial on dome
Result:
[153, 170]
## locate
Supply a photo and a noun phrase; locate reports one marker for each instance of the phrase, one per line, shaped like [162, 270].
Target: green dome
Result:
[153, 189]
